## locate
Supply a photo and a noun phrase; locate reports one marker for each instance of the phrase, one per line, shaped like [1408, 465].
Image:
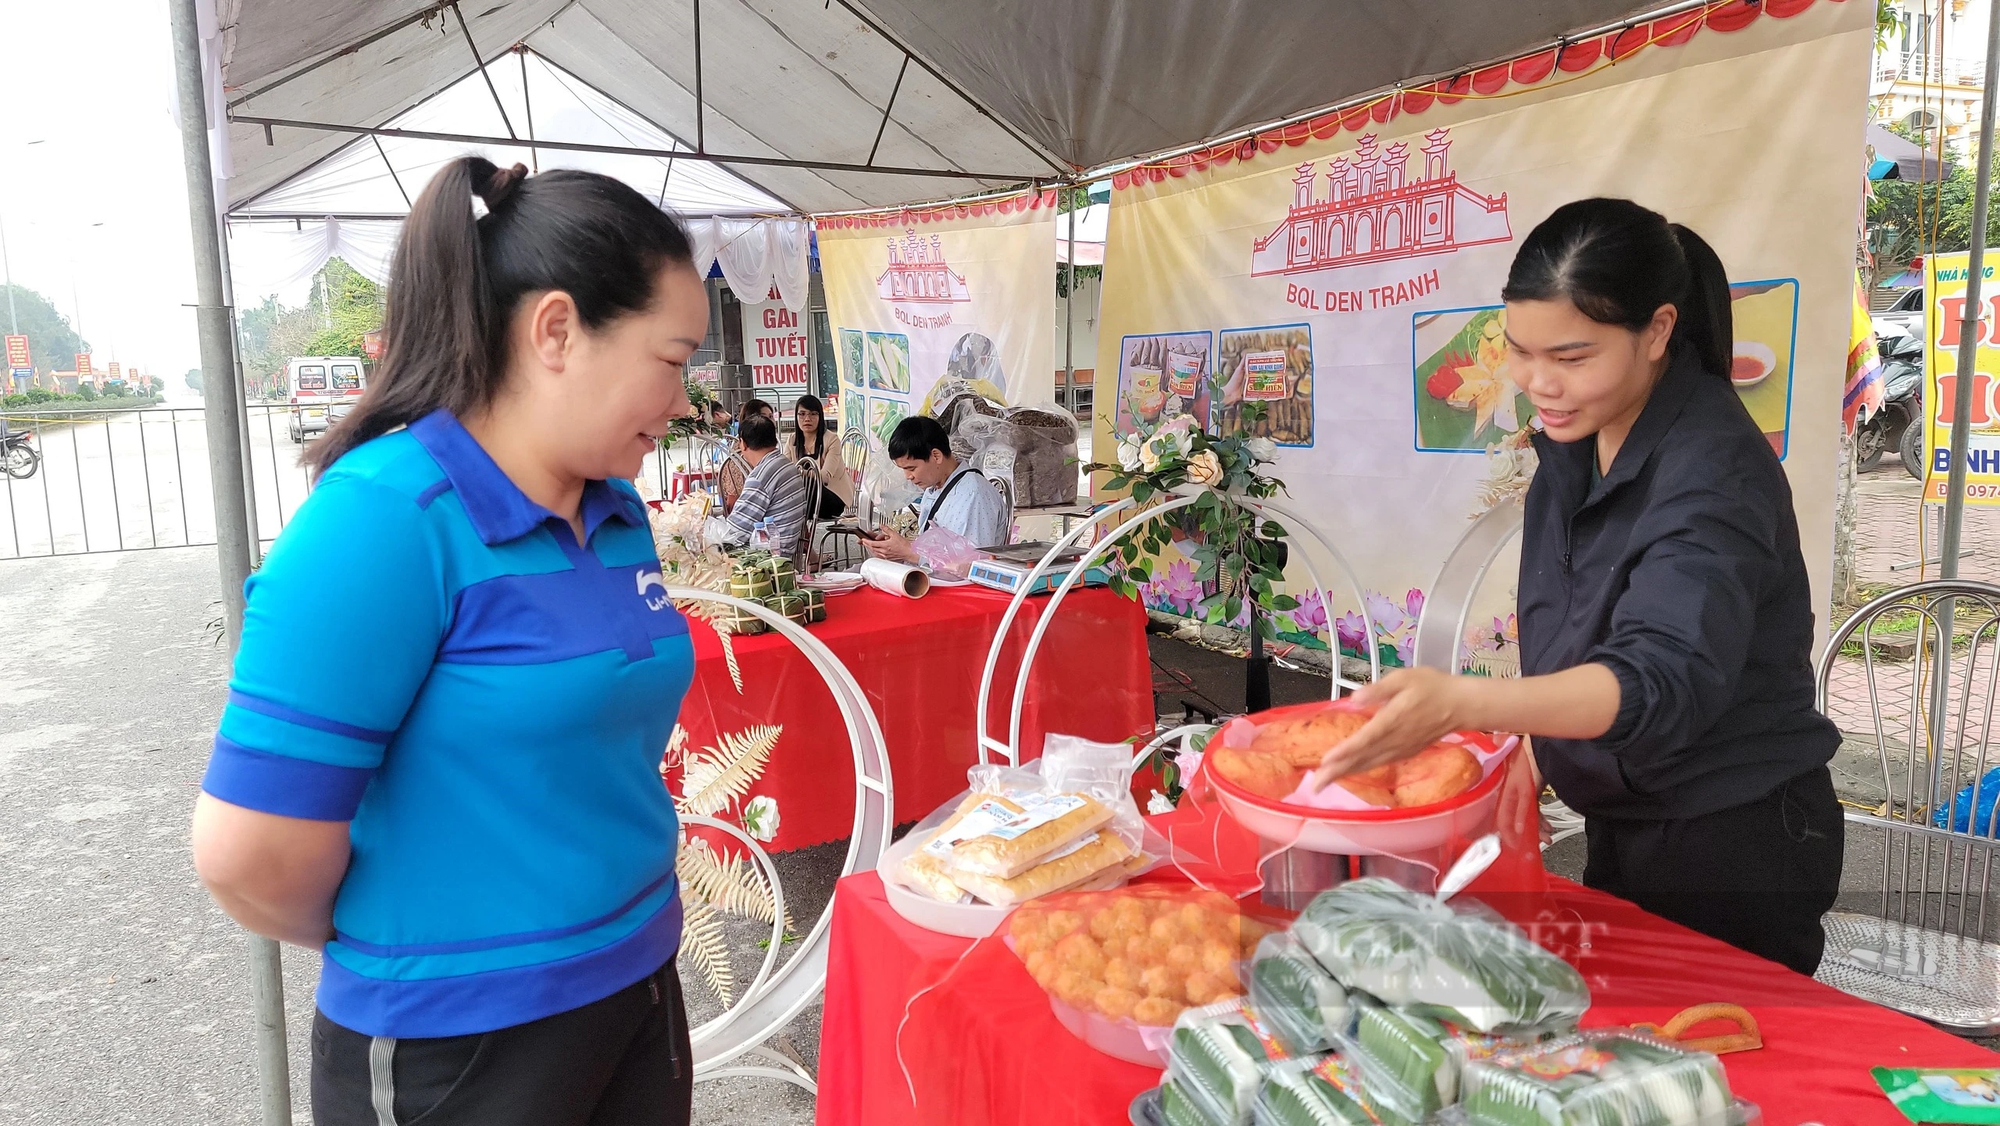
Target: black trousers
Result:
[622, 1061]
[1758, 876]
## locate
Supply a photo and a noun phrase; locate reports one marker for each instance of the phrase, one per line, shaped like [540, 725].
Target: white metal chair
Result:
[1927, 716]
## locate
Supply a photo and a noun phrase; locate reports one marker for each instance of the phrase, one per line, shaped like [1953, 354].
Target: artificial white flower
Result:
[760, 818]
[1263, 449]
[1159, 803]
[1128, 454]
[1205, 468]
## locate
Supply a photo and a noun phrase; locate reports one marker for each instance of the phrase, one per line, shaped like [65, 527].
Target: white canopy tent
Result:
[351, 203]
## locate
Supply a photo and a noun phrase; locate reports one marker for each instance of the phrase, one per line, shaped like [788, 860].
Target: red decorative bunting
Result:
[1528, 70]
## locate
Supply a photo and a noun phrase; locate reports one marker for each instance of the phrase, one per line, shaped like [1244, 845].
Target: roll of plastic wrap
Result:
[896, 578]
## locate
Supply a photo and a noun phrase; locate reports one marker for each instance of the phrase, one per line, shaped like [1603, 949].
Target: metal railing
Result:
[1940, 70]
[131, 479]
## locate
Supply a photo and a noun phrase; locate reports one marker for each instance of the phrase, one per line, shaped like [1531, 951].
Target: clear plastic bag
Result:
[942, 551]
[1302, 1004]
[1458, 965]
[1033, 449]
[1409, 1065]
[884, 490]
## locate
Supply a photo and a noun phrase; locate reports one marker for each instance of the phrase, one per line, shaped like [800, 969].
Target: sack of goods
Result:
[1065, 821]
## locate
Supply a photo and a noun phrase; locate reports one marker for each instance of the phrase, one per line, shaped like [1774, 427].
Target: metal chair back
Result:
[802, 550]
[1916, 686]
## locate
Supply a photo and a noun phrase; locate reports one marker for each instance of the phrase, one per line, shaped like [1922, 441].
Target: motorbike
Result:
[1898, 424]
[17, 456]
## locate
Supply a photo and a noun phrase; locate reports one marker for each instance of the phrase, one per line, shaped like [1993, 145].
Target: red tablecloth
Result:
[919, 662]
[1011, 1062]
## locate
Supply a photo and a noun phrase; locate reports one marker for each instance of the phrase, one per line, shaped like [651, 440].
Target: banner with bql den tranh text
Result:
[913, 295]
[1345, 274]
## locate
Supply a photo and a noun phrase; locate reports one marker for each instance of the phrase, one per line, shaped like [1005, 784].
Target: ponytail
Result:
[1618, 262]
[1705, 324]
[457, 279]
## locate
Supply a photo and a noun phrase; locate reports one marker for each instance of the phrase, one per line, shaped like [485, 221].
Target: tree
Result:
[350, 306]
[1912, 220]
[52, 342]
[193, 380]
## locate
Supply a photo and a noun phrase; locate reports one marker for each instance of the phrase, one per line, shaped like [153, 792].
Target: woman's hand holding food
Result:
[1413, 709]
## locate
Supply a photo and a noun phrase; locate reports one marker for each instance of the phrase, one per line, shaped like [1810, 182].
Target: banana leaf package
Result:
[792, 605]
[1217, 1055]
[815, 606]
[739, 621]
[1302, 1005]
[1178, 1107]
[1311, 1091]
[784, 577]
[751, 584]
[1410, 1065]
[1603, 1078]
[1409, 950]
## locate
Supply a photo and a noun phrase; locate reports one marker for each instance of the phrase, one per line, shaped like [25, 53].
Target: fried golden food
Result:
[1304, 739]
[1438, 772]
[1266, 775]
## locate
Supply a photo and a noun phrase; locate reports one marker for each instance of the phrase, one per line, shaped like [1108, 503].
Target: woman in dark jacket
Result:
[1666, 618]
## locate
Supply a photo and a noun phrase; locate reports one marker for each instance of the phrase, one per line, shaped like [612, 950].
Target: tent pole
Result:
[700, 137]
[888, 108]
[225, 461]
[481, 64]
[242, 408]
[1968, 330]
[527, 107]
[1069, 305]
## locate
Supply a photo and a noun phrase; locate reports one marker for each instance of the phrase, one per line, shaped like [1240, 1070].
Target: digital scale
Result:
[1010, 566]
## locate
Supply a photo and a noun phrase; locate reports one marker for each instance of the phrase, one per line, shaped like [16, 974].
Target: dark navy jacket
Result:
[1680, 571]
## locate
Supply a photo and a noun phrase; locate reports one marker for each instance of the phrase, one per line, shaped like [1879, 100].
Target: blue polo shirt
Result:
[430, 656]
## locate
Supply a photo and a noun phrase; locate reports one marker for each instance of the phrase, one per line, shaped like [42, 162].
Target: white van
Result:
[323, 390]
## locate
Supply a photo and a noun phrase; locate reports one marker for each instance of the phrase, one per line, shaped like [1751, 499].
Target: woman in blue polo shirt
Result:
[439, 759]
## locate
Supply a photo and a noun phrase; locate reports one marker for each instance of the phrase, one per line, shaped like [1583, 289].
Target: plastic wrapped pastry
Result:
[925, 869]
[1178, 1107]
[1409, 1064]
[1410, 950]
[1058, 873]
[1317, 1091]
[1605, 1078]
[1053, 821]
[1304, 1007]
[1217, 1054]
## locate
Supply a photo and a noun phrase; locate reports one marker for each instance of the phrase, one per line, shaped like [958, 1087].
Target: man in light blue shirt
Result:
[954, 496]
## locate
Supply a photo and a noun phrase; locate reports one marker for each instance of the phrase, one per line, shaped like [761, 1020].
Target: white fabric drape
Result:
[756, 256]
[281, 258]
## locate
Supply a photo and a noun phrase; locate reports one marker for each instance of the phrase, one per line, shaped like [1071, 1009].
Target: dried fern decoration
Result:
[716, 778]
[704, 944]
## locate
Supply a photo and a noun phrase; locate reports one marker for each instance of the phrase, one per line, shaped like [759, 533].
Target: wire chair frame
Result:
[1925, 949]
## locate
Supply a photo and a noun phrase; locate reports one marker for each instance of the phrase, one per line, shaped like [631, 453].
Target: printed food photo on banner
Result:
[884, 414]
[1272, 367]
[1162, 376]
[888, 361]
[853, 358]
[1465, 398]
[1766, 315]
[854, 419]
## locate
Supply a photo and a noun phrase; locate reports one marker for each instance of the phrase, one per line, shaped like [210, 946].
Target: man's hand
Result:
[889, 545]
[1415, 707]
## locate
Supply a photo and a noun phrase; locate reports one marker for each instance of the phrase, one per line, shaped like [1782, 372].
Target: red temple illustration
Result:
[917, 272]
[1374, 213]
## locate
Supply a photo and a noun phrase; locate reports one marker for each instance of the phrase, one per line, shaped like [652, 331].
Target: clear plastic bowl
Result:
[967, 920]
[1119, 1039]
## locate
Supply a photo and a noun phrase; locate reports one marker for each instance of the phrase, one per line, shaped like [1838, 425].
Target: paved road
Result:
[123, 992]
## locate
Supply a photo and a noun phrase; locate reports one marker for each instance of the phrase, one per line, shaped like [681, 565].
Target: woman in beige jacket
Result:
[810, 438]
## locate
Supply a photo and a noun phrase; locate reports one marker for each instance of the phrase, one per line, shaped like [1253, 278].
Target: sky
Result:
[92, 193]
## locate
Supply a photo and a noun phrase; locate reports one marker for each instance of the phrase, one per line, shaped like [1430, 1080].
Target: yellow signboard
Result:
[1944, 288]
